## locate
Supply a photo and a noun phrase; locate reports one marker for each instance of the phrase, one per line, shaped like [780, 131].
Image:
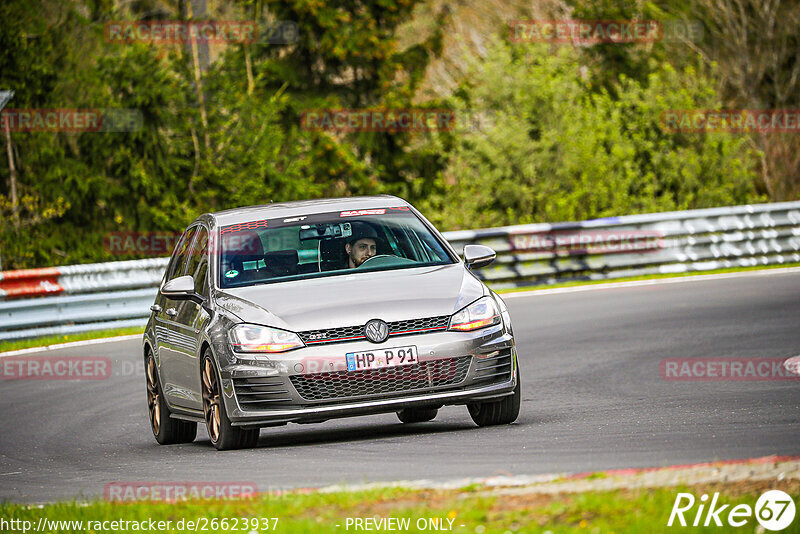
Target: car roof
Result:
[303, 207]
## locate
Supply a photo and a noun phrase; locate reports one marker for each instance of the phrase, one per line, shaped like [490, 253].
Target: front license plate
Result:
[376, 359]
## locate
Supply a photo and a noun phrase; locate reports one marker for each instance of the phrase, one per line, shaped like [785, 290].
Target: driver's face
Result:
[360, 251]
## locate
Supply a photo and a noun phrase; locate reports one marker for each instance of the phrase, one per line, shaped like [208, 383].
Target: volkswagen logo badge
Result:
[376, 330]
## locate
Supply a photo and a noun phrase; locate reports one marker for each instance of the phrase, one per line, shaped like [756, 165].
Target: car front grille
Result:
[355, 333]
[261, 393]
[494, 367]
[401, 378]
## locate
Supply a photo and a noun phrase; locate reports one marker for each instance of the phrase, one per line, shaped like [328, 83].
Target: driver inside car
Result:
[361, 246]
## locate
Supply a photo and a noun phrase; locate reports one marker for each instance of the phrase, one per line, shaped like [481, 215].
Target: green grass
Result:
[646, 277]
[473, 510]
[66, 338]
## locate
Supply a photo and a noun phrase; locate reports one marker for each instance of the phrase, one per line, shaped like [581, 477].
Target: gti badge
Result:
[376, 330]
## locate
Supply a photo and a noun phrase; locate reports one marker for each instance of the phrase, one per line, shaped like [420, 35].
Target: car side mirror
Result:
[181, 288]
[477, 256]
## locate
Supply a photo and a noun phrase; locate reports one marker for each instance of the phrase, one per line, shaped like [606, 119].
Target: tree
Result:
[557, 150]
[756, 44]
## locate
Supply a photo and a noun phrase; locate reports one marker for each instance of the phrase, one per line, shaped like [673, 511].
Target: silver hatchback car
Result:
[301, 312]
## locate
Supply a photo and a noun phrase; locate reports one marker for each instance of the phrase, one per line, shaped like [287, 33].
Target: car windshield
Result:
[329, 244]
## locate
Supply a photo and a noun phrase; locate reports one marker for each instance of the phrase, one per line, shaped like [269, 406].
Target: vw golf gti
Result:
[301, 312]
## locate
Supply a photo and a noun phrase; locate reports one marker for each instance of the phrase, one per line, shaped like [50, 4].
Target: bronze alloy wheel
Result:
[211, 400]
[223, 434]
[166, 429]
[153, 398]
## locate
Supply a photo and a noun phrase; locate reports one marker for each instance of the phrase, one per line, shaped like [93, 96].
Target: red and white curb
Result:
[775, 468]
[792, 365]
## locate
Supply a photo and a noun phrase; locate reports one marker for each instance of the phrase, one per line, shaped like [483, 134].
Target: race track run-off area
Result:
[594, 397]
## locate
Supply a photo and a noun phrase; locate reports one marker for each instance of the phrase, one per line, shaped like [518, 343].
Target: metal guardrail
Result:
[118, 294]
[75, 279]
[635, 245]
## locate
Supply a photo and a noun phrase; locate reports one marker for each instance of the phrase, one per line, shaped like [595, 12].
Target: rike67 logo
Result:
[774, 511]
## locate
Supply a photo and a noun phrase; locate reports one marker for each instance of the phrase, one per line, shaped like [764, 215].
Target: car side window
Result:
[201, 279]
[198, 251]
[198, 262]
[173, 260]
[178, 265]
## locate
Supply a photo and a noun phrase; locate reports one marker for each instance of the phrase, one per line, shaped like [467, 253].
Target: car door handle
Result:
[156, 308]
[172, 312]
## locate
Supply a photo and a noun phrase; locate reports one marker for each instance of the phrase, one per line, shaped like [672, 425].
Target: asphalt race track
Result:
[593, 398]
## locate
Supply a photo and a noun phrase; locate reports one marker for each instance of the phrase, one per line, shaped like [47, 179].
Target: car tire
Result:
[223, 435]
[166, 430]
[417, 415]
[501, 412]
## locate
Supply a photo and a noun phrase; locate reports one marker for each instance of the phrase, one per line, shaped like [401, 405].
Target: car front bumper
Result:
[479, 354]
[370, 407]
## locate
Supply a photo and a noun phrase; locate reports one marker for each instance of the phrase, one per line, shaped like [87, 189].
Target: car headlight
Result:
[480, 314]
[255, 338]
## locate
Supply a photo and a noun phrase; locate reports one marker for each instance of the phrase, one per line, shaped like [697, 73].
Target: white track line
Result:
[652, 282]
[71, 344]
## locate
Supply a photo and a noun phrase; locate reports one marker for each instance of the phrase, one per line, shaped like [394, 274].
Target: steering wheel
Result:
[387, 260]
[376, 257]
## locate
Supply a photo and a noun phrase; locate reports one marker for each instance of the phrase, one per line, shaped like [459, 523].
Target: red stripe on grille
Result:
[418, 330]
[335, 339]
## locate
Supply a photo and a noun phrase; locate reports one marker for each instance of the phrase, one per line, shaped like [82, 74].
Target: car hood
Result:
[354, 299]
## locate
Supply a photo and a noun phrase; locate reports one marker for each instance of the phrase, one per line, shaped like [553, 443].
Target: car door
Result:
[176, 264]
[186, 327]
[169, 343]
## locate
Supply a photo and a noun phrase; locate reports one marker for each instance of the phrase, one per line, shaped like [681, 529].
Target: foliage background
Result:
[544, 132]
